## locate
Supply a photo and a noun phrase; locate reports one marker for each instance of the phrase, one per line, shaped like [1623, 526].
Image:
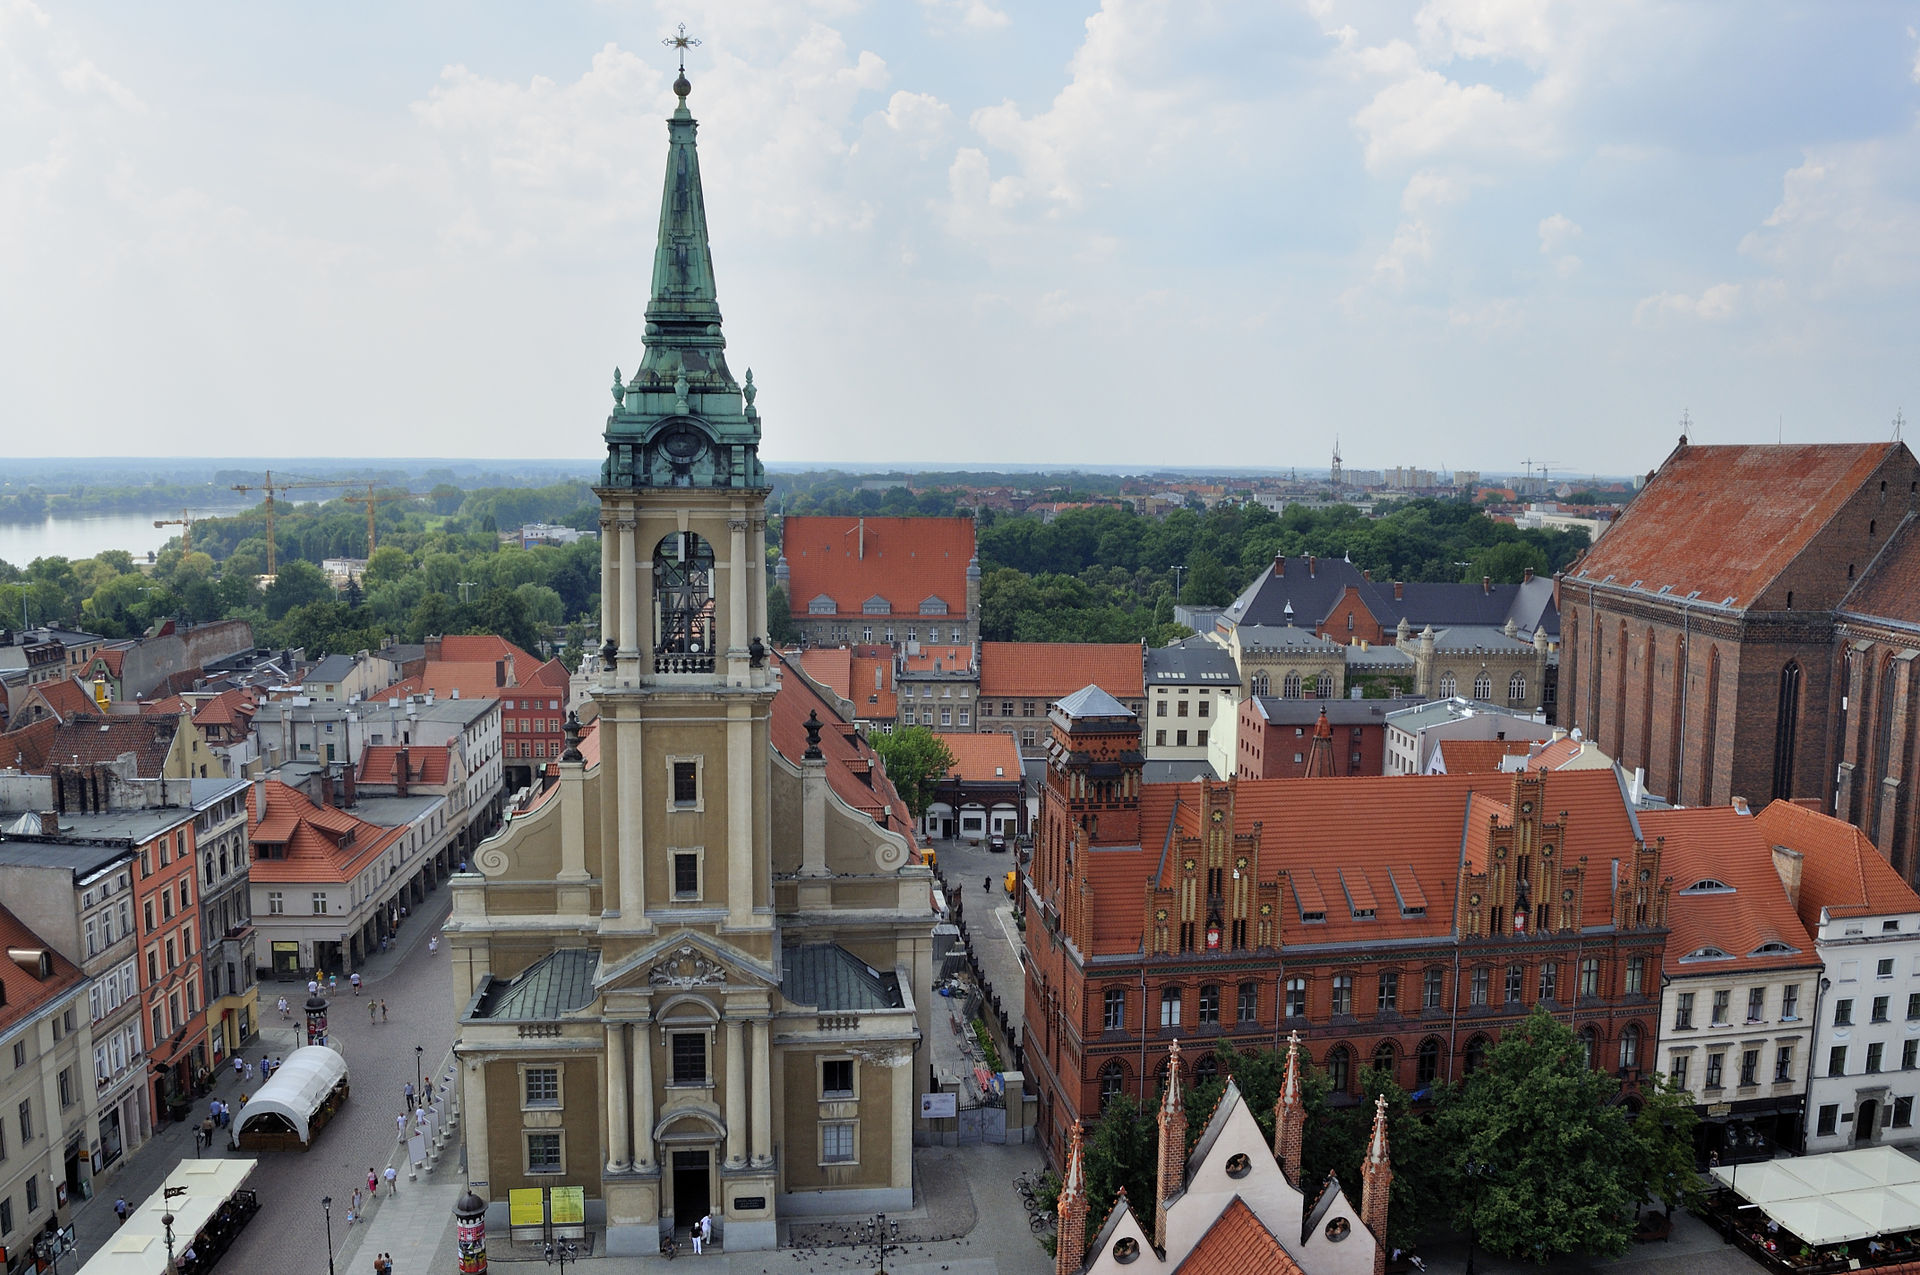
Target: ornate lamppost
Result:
[166, 1223]
[883, 1235]
[326, 1207]
[562, 1252]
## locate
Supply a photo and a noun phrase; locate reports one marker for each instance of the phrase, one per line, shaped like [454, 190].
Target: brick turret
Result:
[1173, 1148]
[1070, 1210]
[1290, 1116]
[1320, 756]
[1376, 1185]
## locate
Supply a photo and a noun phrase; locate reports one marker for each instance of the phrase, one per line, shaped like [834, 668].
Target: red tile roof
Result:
[1727, 520]
[1840, 870]
[945, 658]
[1556, 753]
[1053, 670]
[1237, 1244]
[25, 991]
[904, 560]
[67, 698]
[113, 658]
[1718, 844]
[870, 679]
[89, 740]
[1392, 835]
[854, 772]
[1478, 756]
[322, 843]
[831, 666]
[427, 764]
[26, 748]
[228, 708]
[987, 758]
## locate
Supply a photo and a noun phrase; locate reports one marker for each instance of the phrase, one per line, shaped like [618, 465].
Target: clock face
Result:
[1474, 901]
[1646, 874]
[1566, 896]
[1219, 815]
[1266, 909]
[1161, 915]
[683, 444]
[1241, 863]
[1189, 865]
[1546, 851]
[1526, 807]
[1499, 852]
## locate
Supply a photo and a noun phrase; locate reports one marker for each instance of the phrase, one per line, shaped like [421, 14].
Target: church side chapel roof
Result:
[902, 561]
[559, 983]
[1889, 589]
[1238, 1242]
[826, 976]
[854, 772]
[1697, 526]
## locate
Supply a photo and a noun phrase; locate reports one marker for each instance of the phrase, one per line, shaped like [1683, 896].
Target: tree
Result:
[1661, 1157]
[916, 759]
[295, 585]
[781, 630]
[1566, 1167]
[387, 565]
[1122, 1151]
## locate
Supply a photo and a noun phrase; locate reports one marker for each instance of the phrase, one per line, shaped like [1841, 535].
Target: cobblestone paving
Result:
[290, 1230]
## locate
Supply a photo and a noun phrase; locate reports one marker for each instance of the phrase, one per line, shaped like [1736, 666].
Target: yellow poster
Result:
[525, 1207]
[569, 1205]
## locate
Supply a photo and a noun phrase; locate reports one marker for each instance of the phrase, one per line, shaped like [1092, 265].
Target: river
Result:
[77, 538]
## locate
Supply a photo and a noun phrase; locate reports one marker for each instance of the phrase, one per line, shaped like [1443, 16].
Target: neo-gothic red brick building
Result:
[1405, 921]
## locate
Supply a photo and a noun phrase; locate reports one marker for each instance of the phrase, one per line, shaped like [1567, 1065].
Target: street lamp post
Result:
[1479, 1171]
[166, 1223]
[1178, 573]
[562, 1252]
[326, 1207]
[884, 1236]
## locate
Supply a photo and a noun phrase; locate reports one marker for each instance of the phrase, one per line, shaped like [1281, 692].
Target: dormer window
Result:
[1774, 948]
[1708, 885]
[876, 605]
[822, 605]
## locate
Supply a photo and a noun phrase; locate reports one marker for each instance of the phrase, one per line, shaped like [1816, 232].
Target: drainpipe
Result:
[1145, 1025]
[1806, 1103]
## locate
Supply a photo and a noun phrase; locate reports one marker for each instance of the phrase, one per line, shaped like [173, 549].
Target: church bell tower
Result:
[688, 960]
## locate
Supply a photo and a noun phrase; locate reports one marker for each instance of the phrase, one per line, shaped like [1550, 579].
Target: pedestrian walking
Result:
[351, 1219]
[248, 1068]
[355, 1206]
[986, 883]
[266, 1068]
[313, 984]
[433, 945]
[373, 1180]
[285, 1010]
[393, 1181]
[239, 1067]
[354, 978]
[410, 1095]
[400, 1124]
[373, 1010]
[383, 1011]
[706, 1229]
[120, 1208]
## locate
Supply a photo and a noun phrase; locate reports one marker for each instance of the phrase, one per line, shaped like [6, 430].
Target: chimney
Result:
[1376, 1185]
[1280, 564]
[1486, 584]
[863, 540]
[348, 797]
[1789, 864]
[402, 771]
[1070, 1211]
[326, 786]
[1366, 575]
[500, 671]
[1526, 576]
[1312, 562]
[1172, 1177]
[1290, 1115]
[1399, 590]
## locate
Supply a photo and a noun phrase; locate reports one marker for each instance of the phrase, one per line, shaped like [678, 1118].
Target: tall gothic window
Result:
[1260, 683]
[1290, 686]
[1784, 728]
[683, 599]
[1883, 765]
[1517, 689]
[1447, 685]
[1483, 687]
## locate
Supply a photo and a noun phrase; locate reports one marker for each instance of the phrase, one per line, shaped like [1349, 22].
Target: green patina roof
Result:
[827, 976]
[682, 420]
[557, 984]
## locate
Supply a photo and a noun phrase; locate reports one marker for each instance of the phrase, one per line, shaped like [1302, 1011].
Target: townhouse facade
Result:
[1193, 690]
[323, 880]
[892, 581]
[226, 914]
[1163, 911]
[1743, 985]
[1020, 681]
[46, 1105]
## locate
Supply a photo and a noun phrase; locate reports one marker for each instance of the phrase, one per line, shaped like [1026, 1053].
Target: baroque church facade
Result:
[690, 977]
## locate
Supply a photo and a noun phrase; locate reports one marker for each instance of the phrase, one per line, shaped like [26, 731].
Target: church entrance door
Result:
[692, 1194]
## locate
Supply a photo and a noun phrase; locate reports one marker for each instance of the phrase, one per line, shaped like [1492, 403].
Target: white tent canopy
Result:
[1834, 1198]
[139, 1247]
[298, 1087]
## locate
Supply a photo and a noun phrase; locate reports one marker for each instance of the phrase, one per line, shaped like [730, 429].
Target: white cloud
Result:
[1556, 233]
[1848, 220]
[970, 15]
[1711, 305]
[1495, 30]
[1412, 246]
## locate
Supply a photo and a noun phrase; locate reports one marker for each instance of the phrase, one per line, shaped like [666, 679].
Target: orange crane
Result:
[185, 522]
[372, 499]
[269, 487]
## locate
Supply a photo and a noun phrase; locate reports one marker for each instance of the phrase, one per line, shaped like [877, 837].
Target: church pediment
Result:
[684, 960]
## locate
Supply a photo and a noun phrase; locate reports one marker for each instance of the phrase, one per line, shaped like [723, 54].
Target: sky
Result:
[1450, 234]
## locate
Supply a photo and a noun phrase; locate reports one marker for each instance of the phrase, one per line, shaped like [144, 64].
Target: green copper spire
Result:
[682, 421]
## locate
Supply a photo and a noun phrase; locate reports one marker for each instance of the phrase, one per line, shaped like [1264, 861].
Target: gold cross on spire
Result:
[682, 42]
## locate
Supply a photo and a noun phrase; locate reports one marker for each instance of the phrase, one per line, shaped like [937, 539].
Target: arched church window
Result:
[1290, 686]
[1483, 687]
[1261, 684]
[1517, 689]
[1448, 685]
[683, 603]
[1113, 1079]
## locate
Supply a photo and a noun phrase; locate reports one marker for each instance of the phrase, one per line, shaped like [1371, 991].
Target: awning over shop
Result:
[1834, 1198]
[298, 1087]
[139, 1247]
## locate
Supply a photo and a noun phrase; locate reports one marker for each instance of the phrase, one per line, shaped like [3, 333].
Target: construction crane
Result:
[269, 487]
[373, 499]
[185, 522]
